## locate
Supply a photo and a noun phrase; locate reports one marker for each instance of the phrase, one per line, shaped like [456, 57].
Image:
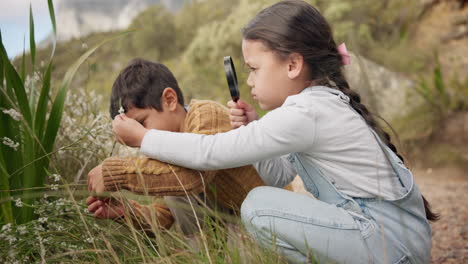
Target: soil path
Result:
[447, 191]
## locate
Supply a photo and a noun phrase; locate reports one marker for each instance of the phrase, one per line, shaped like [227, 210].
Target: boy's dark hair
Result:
[141, 85]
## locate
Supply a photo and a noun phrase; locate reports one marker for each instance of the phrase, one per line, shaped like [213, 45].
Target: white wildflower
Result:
[54, 187]
[12, 113]
[11, 239]
[60, 202]
[36, 77]
[89, 240]
[39, 228]
[28, 81]
[56, 177]
[6, 228]
[18, 202]
[10, 143]
[42, 220]
[22, 230]
[86, 211]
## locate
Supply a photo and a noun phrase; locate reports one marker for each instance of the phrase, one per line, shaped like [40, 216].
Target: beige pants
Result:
[191, 214]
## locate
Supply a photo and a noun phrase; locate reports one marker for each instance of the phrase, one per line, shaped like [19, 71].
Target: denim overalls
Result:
[338, 228]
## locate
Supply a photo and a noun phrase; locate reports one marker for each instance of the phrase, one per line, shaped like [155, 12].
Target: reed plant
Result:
[29, 125]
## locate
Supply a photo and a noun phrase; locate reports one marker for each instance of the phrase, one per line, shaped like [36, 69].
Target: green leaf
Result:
[2, 50]
[32, 41]
[438, 80]
[23, 61]
[6, 211]
[32, 44]
[52, 16]
[54, 26]
[41, 110]
[15, 82]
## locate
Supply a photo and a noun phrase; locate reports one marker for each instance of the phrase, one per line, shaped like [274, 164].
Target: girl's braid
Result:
[355, 101]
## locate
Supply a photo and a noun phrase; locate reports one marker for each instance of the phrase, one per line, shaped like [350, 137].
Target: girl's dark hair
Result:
[141, 84]
[294, 26]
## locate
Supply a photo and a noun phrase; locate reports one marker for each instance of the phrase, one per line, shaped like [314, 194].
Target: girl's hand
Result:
[109, 209]
[128, 131]
[241, 113]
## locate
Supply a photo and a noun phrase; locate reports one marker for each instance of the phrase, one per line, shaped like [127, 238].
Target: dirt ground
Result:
[447, 191]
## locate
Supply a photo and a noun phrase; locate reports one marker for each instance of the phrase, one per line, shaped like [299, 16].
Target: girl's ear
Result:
[295, 65]
[169, 99]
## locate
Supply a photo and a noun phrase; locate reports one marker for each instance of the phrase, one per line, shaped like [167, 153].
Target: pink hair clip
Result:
[345, 58]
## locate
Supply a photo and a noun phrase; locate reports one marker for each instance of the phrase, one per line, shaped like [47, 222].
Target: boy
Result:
[150, 95]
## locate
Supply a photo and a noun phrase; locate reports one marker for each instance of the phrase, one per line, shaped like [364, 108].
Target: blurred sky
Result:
[14, 23]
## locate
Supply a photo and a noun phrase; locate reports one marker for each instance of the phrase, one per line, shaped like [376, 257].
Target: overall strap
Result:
[397, 164]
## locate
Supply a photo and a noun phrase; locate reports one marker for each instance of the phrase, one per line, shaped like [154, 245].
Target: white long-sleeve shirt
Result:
[316, 124]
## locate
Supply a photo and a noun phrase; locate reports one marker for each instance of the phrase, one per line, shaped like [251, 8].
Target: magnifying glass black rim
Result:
[231, 77]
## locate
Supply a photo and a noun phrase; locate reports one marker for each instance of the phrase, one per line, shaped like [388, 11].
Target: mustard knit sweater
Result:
[151, 177]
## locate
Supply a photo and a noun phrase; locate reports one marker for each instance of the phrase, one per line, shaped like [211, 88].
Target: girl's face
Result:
[268, 75]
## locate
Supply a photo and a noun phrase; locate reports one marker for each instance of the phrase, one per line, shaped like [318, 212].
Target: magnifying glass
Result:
[231, 78]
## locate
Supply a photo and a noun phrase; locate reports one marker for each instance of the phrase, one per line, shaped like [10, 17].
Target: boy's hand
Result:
[107, 208]
[95, 180]
[241, 113]
[128, 131]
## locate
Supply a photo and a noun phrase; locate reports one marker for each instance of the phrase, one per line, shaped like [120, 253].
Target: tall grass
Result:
[64, 233]
[29, 125]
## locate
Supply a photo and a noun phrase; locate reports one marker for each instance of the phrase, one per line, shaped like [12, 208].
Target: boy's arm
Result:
[144, 175]
[152, 177]
[233, 185]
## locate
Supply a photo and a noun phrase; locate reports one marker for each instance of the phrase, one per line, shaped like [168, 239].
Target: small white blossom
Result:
[89, 240]
[6, 228]
[12, 113]
[10, 143]
[39, 228]
[11, 239]
[121, 110]
[54, 187]
[18, 202]
[22, 230]
[42, 219]
[36, 77]
[60, 202]
[56, 177]
[86, 211]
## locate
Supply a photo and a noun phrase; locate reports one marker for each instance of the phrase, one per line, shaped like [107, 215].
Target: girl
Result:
[368, 208]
